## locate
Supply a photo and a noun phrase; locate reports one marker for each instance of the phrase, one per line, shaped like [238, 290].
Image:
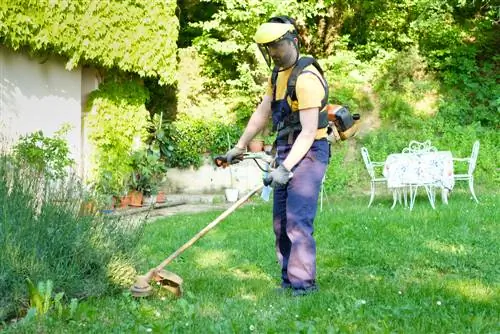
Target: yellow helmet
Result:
[272, 31]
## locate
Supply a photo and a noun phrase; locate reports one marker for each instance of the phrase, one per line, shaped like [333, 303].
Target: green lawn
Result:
[379, 271]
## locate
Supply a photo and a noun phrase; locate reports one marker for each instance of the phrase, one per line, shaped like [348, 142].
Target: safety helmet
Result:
[277, 34]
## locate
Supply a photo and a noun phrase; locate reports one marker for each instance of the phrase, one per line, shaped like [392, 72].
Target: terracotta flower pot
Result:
[124, 201]
[135, 198]
[160, 197]
[256, 146]
[88, 208]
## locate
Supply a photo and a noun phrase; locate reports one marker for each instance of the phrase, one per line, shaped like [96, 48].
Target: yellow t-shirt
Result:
[309, 90]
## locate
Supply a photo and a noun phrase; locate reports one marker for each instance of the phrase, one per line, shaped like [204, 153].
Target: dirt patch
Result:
[369, 122]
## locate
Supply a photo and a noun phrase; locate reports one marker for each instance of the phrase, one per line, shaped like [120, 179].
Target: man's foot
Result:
[305, 291]
[284, 288]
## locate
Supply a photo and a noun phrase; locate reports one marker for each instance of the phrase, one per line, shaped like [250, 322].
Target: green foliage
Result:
[118, 121]
[148, 171]
[338, 175]
[134, 36]
[405, 87]
[46, 155]
[192, 137]
[458, 41]
[347, 78]
[54, 243]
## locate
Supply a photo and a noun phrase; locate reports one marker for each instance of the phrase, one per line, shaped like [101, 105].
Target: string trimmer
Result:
[172, 281]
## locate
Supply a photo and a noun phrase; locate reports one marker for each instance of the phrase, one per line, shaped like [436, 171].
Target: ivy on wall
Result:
[118, 121]
[135, 36]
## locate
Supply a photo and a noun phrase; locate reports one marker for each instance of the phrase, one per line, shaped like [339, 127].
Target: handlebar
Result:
[221, 161]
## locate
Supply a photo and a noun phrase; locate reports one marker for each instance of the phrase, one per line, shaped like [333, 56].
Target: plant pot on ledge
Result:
[135, 198]
[256, 145]
[161, 197]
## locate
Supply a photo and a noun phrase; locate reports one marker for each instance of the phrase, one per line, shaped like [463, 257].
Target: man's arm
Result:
[257, 122]
[309, 123]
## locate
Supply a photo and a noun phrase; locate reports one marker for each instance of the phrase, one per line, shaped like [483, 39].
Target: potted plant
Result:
[107, 188]
[148, 170]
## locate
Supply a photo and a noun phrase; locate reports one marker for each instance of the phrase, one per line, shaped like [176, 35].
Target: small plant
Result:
[48, 156]
[42, 300]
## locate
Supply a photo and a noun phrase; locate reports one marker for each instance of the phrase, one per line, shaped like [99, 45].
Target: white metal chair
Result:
[370, 167]
[421, 147]
[472, 166]
[418, 147]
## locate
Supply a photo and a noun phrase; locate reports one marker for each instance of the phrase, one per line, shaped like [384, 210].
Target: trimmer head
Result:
[169, 280]
[141, 287]
[166, 279]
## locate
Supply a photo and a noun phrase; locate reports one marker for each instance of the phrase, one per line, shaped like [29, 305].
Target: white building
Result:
[40, 94]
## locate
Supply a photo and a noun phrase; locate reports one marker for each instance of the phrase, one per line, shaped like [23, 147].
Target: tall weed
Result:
[50, 240]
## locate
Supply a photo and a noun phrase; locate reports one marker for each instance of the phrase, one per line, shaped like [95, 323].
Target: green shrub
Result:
[192, 137]
[75, 252]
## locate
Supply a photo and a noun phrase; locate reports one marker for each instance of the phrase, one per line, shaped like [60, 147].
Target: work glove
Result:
[235, 155]
[278, 177]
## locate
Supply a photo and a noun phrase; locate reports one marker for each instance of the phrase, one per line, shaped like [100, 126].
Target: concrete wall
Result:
[210, 179]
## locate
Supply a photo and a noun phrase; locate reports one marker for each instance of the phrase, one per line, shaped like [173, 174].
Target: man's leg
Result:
[283, 243]
[302, 199]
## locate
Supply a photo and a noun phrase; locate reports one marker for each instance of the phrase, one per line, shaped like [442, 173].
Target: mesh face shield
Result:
[280, 52]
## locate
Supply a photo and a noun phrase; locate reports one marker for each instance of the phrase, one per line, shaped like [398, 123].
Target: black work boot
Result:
[304, 291]
[284, 288]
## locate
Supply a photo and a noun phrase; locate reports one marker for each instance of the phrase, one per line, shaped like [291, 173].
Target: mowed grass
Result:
[379, 271]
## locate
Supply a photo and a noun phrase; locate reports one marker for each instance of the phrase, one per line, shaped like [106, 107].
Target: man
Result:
[302, 151]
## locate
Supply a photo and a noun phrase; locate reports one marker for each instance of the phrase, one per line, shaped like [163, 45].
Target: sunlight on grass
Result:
[441, 247]
[211, 258]
[473, 290]
[246, 296]
[244, 275]
[210, 310]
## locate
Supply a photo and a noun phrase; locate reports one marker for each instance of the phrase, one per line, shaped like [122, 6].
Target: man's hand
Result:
[235, 155]
[278, 177]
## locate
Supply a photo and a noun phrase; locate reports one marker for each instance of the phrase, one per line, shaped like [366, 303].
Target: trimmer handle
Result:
[221, 161]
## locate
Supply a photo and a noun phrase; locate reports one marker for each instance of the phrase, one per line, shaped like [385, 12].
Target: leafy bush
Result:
[147, 171]
[76, 252]
[110, 34]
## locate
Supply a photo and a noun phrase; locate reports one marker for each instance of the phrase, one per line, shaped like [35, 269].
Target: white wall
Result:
[39, 94]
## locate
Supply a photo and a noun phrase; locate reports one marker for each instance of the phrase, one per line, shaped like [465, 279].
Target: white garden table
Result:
[408, 171]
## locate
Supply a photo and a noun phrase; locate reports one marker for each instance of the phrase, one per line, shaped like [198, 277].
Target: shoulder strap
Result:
[274, 78]
[302, 63]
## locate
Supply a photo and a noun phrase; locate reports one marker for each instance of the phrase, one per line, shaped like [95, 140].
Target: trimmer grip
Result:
[221, 161]
[267, 180]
